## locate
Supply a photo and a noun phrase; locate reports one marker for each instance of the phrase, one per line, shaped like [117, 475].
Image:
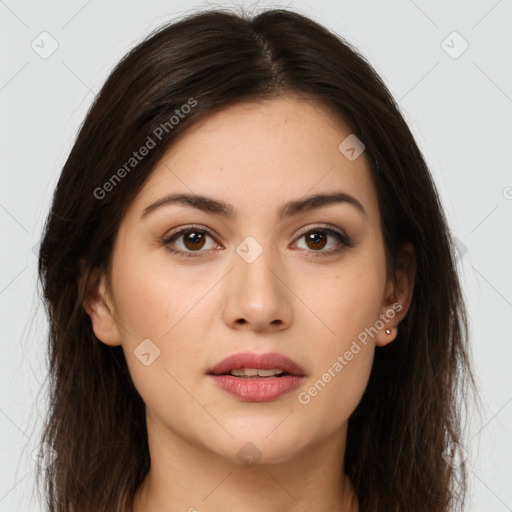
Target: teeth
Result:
[256, 372]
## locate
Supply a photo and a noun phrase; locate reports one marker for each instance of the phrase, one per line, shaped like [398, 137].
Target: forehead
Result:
[260, 154]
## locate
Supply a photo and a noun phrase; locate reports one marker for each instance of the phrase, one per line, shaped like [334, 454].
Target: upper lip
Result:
[265, 361]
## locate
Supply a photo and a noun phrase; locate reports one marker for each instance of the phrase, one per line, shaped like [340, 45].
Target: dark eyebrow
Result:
[214, 206]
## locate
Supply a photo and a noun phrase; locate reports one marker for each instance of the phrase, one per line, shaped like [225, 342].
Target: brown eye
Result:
[189, 241]
[316, 240]
[193, 240]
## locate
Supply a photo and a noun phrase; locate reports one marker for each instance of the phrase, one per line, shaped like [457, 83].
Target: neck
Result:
[186, 477]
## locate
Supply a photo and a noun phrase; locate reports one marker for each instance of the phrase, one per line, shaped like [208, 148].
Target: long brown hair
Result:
[208, 60]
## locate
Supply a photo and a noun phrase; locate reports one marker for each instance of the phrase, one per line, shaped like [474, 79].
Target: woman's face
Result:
[259, 277]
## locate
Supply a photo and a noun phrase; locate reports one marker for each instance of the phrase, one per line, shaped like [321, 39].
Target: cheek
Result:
[344, 305]
[158, 311]
[348, 304]
[332, 394]
[153, 298]
[160, 345]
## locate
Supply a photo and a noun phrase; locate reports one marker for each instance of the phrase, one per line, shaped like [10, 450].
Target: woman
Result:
[251, 285]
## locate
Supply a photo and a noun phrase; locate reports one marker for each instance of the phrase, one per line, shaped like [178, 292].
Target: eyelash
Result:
[345, 241]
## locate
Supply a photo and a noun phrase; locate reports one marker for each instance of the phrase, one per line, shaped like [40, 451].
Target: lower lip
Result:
[262, 389]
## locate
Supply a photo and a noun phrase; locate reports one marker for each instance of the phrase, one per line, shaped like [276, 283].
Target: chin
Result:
[253, 446]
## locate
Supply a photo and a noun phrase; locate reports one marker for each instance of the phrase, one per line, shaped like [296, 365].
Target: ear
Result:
[398, 295]
[99, 307]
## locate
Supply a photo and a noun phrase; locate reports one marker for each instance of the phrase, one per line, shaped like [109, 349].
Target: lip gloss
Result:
[257, 389]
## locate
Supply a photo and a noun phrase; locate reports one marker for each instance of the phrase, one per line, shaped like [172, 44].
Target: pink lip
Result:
[264, 361]
[257, 389]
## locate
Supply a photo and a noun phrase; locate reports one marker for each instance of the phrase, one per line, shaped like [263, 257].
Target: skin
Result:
[197, 311]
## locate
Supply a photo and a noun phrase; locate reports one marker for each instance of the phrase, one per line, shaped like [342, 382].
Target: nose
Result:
[257, 295]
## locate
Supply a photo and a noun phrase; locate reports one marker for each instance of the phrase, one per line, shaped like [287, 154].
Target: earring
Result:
[388, 331]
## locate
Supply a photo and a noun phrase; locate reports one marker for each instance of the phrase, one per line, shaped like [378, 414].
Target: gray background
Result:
[458, 105]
